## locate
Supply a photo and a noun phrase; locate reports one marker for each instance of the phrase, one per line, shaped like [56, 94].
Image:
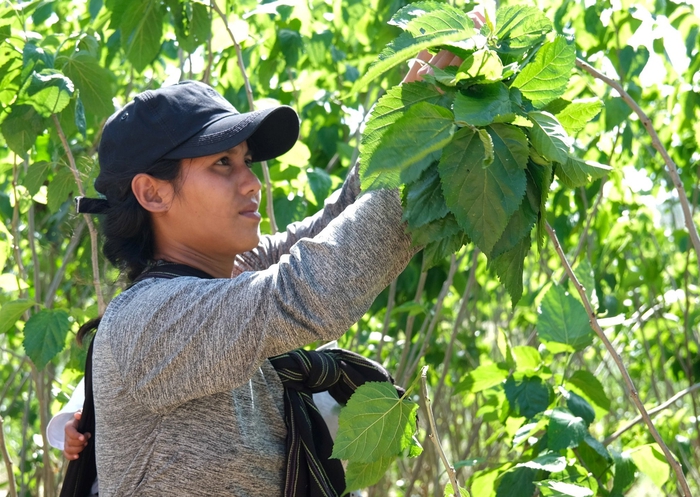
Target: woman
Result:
[186, 401]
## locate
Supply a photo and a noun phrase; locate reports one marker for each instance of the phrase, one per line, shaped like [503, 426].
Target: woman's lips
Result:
[251, 214]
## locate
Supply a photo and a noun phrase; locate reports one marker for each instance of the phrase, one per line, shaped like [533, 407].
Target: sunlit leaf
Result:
[11, 312]
[375, 423]
[519, 27]
[579, 113]
[576, 172]
[563, 320]
[546, 77]
[362, 475]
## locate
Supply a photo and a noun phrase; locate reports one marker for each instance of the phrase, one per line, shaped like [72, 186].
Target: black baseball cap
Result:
[186, 120]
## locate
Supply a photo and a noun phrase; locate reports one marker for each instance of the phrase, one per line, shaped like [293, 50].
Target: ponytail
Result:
[126, 226]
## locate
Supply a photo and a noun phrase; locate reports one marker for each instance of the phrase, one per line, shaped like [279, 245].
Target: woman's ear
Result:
[154, 195]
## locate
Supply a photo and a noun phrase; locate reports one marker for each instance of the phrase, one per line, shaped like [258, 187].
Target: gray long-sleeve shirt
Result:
[185, 401]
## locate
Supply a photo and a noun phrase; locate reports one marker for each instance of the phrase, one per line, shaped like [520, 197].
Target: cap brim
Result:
[270, 133]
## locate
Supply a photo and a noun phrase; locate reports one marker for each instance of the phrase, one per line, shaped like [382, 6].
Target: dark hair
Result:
[126, 226]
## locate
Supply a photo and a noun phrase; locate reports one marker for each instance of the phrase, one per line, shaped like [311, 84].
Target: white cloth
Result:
[55, 430]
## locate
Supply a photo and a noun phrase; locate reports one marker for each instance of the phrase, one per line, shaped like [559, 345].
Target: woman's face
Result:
[214, 212]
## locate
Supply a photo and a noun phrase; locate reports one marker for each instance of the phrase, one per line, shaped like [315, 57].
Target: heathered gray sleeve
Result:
[180, 339]
[272, 247]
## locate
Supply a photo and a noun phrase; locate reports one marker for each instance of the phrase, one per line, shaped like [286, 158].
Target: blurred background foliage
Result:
[66, 65]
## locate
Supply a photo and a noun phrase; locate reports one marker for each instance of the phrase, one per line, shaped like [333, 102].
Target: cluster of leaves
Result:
[548, 414]
[477, 145]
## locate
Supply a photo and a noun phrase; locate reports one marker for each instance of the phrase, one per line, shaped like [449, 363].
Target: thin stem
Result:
[251, 105]
[461, 315]
[409, 326]
[656, 143]
[91, 226]
[8, 462]
[634, 395]
[67, 255]
[391, 300]
[433, 435]
[652, 412]
[437, 314]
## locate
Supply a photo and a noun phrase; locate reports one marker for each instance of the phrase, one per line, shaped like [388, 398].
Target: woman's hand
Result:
[423, 63]
[75, 441]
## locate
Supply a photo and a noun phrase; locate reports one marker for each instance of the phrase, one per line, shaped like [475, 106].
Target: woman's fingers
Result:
[418, 63]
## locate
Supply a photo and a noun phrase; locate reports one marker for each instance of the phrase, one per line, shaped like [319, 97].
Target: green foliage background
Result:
[515, 413]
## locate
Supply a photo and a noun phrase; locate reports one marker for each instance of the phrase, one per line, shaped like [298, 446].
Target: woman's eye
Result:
[249, 162]
[223, 161]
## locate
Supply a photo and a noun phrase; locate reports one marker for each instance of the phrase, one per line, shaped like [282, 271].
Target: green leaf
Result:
[527, 397]
[651, 461]
[587, 384]
[391, 107]
[450, 492]
[509, 267]
[565, 431]
[93, 81]
[562, 319]
[424, 200]
[423, 129]
[11, 312]
[142, 29]
[527, 359]
[547, 76]
[551, 462]
[35, 177]
[584, 273]
[45, 335]
[21, 128]
[580, 407]
[625, 470]
[481, 105]
[483, 199]
[517, 483]
[521, 222]
[481, 66]
[436, 230]
[518, 28]
[594, 455]
[191, 22]
[360, 475]
[375, 423]
[50, 91]
[431, 29]
[437, 251]
[576, 172]
[483, 377]
[578, 113]
[548, 137]
[320, 183]
[541, 178]
[555, 488]
[59, 188]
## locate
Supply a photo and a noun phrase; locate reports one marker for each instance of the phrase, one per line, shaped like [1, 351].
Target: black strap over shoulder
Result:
[81, 473]
[310, 471]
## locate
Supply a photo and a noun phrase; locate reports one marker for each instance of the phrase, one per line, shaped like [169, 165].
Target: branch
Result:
[8, 462]
[391, 300]
[91, 226]
[634, 395]
[433, 433]
[652, 412]
[437, 314]
[67, 255]
[656, 143]
[461, 316]
[249, 93]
